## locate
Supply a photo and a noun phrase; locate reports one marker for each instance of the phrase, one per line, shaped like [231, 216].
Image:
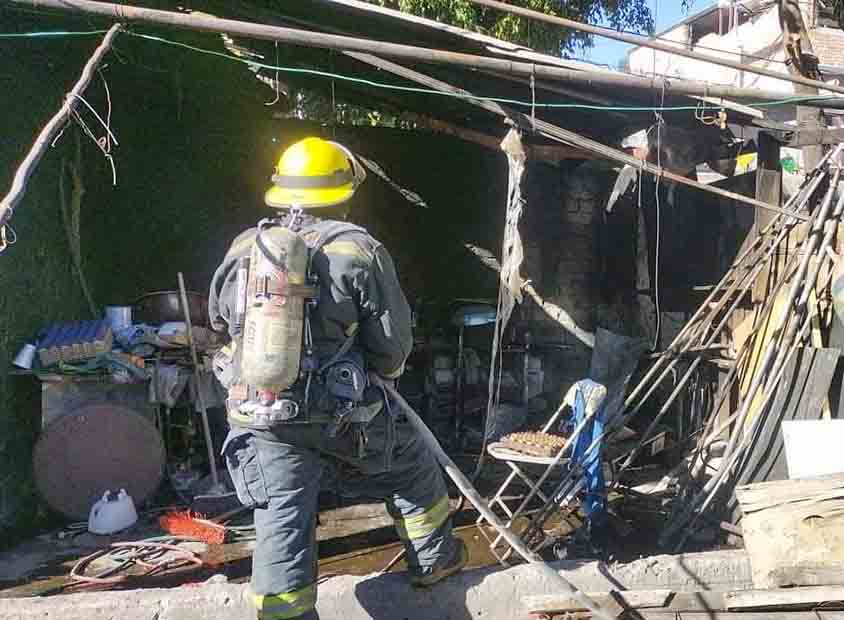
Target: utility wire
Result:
[415, 89]
[53, 33]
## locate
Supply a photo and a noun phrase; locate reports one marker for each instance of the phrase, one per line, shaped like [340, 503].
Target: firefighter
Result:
[357, 337]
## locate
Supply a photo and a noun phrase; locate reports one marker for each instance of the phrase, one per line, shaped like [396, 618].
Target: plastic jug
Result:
[113, 513]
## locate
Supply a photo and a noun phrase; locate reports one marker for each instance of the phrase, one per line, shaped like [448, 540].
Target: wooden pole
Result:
[803, 64]
[306, 38]
[53, 128]
[657, 45]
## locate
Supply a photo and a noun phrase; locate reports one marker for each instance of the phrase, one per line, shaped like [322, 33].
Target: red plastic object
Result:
[186, 523]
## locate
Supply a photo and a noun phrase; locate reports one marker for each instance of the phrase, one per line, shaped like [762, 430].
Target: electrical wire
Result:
[414, 89]
[54, 33]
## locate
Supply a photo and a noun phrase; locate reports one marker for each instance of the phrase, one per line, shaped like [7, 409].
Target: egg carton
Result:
[534, 443]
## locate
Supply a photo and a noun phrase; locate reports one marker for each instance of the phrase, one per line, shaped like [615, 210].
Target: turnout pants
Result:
[278, 474]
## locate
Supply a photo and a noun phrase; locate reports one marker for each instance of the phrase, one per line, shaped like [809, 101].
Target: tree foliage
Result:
[631, 15]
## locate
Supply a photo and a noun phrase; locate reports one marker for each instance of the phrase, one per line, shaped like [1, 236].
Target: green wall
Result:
[197, 145]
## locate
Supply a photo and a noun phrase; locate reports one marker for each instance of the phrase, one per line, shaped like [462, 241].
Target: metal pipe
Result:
[808, 248]
[708, 437]
[54, 127]
[722, 474]
[200, 400]
[653, 44]
[480, 504]
[770, 368]
[305, 38]
[745, 281]
[808, 188]
[693, 366]
[623, 418]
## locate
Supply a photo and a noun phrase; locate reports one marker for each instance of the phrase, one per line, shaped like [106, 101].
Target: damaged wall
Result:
[36, 277]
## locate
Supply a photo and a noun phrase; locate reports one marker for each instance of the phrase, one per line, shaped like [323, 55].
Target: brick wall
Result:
[829, 45]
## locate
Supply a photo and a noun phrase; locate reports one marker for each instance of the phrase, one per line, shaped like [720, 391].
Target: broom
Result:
[195, 525]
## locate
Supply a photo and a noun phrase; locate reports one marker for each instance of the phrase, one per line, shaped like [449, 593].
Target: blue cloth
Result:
[590, 460]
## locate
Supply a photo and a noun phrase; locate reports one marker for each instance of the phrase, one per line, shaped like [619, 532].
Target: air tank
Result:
[275, 312]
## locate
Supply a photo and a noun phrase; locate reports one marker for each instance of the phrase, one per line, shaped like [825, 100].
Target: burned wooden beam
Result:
[548, 154]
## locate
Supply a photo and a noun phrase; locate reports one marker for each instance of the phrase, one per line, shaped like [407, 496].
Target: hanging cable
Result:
[8, 236]
[277, 86]
[103, 143]
[657, 186]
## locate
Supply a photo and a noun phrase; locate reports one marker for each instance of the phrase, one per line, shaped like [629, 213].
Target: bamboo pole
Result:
[654, 44]
[54, 127]
[306, 38]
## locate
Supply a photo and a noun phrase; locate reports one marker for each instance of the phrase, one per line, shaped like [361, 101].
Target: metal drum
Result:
[95, 448]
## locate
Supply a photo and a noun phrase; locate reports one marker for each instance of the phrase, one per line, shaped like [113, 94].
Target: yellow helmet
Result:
[314, 173]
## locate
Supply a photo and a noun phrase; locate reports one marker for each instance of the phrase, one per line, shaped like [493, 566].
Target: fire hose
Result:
[469, 491]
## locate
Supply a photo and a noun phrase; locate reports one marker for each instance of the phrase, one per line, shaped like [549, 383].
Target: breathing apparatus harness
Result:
[275, 369]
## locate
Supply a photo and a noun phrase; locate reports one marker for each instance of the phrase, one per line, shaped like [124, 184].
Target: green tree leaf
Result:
[631, 15]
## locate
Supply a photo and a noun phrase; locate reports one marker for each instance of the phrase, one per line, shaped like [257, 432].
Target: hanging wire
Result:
[277, 85]
[103, 143]
[51, 34]
[8, 236]
[659, 122]
[466, 96]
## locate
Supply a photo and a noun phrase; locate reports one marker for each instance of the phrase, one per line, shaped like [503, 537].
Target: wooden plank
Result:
[768, 177]
[613, 600]
[802, 392]
[787, 597]
[764, 495]
[794, 531]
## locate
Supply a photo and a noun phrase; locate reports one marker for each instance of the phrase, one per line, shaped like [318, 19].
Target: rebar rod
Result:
[745, 442]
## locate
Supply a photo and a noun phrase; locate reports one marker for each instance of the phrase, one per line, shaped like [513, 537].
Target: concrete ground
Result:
[489, 593]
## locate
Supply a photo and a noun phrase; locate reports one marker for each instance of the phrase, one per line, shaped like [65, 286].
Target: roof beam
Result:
[559, 134]
[305, 38]
[551, 154]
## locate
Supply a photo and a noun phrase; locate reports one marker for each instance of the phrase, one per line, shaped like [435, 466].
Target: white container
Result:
[113, 513]
[813, 447]
[25, 357]
[119, 317]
